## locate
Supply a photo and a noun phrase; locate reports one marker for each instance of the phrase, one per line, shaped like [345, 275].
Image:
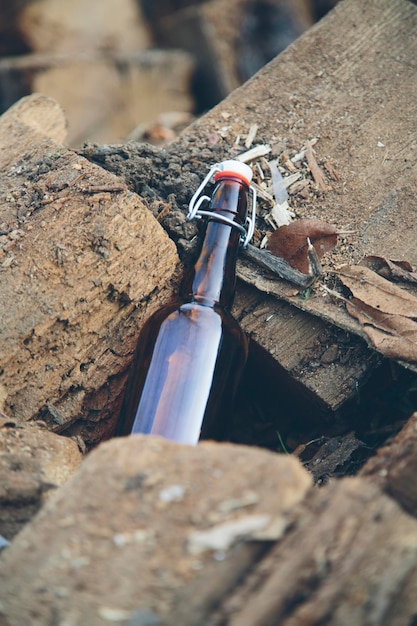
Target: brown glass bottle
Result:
[191, 354]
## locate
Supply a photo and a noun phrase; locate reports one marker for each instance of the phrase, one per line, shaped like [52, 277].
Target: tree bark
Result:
[83, 263]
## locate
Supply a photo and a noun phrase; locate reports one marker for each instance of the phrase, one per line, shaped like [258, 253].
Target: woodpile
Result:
[94, 239]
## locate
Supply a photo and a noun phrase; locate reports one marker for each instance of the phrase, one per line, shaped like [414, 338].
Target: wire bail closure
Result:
[194, 211]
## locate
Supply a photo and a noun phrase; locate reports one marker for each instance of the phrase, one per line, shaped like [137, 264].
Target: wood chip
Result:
[251, 135]
[330, 170]
[254, 153]
[278, 266]
[315, 168]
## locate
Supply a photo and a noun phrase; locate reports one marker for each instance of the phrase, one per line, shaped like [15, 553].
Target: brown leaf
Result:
[394, 324]
[392, 335]
[378, 292]
[386, 312]
[400, 271]
[290, 242]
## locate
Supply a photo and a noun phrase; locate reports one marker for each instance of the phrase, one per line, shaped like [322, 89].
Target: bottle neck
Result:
[212, 281]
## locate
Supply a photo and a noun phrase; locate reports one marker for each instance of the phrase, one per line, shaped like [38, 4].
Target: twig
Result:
[262, 193]
[103, 188]
[77, 179]
[330, 170]
[334, 293]
[279, 266]
[313, 260]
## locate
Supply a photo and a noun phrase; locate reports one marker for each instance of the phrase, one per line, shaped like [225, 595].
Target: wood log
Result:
[167, 496]
[33, 464]
[83, 263]
[393, 468]
[349, 559]
[114, 92]
[10, 39]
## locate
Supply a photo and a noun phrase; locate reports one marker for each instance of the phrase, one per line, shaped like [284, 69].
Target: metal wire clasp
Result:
[197, 200]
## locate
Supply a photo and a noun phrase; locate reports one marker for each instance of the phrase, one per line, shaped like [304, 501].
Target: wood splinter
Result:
[315, 168]
[283, 269]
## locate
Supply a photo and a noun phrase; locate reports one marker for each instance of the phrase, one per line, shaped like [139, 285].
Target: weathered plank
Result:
[327, 365]
[82, 263]
[313, 92]
[316, 88]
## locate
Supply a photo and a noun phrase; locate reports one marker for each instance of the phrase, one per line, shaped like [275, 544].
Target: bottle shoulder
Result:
[182, 314]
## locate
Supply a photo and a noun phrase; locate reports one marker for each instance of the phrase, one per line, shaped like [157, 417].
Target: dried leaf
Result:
[395, 324]
[291, 242]
[378, 292]
[392, 335]
[400, 271]
[386, 312]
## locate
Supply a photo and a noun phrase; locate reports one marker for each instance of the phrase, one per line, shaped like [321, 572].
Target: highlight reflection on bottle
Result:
[191, 354]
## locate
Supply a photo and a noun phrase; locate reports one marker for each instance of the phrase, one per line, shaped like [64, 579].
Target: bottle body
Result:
[191, 354]
[185, 373]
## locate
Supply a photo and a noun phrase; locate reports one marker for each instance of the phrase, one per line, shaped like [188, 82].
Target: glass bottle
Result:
[190, 354]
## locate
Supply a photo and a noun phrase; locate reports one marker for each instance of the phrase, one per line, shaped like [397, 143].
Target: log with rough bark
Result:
[82, 264]
[33, 464]
[394, 467]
